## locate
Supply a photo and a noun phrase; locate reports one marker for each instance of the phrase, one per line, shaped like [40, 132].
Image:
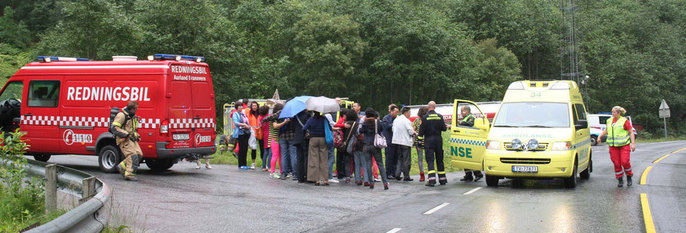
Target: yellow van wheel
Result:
[571, 181]
[492, 181]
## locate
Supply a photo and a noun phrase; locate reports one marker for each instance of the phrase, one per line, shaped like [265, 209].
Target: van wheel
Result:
[159, 165]
[571, 181]
[586, 174]
[42, 158]
[594, 140]
[109, 158]
[492, 181]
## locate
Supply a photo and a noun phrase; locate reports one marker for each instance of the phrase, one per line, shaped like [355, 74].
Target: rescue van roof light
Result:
[51, 59]
[160, 56]
[516, 86]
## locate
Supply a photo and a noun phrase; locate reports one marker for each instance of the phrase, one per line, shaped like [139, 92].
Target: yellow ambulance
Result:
[540, 131]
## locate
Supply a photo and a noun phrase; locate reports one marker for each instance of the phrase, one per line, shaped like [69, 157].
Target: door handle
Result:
[28, 114]
[456, 131]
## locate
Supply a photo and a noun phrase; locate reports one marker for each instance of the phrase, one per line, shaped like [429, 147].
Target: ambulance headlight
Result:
[178, 58]
[516, 144]
[151, 57]
[199, 59]
[560, 146]
[532, 144]
[47, 59]
[492, 145]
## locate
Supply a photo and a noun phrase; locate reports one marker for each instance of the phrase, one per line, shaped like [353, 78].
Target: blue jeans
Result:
[266, 157]
[331, 161]
[288, 156]
[360, 165]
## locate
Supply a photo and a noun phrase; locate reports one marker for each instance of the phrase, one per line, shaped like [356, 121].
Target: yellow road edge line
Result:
[647, 216]
[661, 158]
[644, 176]
[674, 152]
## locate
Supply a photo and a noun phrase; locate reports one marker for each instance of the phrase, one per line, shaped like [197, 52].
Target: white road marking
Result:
[436, 208]
[473, 190]
[394, 230]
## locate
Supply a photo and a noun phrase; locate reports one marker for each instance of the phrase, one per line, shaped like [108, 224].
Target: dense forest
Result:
[378, 51]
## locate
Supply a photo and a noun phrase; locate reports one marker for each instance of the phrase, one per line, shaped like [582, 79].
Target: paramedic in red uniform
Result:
[621, 139]
[126, 124]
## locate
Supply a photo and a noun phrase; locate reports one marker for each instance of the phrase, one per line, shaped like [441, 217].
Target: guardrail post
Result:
[88, 187]
[50, 188]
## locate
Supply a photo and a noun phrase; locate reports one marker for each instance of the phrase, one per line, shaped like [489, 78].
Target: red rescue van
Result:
[64, 107]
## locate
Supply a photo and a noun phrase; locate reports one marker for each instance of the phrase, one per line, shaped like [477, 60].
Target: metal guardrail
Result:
[89, 216]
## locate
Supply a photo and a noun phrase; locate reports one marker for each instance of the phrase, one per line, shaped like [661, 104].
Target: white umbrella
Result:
[322, 104]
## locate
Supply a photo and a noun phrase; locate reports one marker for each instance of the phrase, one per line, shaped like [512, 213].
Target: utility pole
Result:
[569, 59]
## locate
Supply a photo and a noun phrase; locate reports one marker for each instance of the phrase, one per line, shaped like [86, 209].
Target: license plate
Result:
[525, 169]
[181, 137]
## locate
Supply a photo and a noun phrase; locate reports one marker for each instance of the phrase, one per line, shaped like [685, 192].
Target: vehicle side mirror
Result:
[581, 124]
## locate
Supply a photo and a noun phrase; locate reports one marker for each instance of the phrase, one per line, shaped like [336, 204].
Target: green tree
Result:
[327, 48]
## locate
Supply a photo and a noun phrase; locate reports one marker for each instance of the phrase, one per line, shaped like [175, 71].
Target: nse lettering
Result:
[108, 93]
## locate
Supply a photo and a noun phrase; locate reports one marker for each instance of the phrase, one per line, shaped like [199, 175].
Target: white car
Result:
[596, 123]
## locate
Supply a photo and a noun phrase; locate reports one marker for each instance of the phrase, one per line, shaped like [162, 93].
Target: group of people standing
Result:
[299, 147]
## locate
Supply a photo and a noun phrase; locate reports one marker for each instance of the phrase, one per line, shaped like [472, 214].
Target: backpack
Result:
[338, 138]
[113, 113]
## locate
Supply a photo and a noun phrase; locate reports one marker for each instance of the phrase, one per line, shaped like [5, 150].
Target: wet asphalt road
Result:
[226, 199]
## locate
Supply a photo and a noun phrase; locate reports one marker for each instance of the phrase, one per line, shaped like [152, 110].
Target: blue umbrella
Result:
[294, 106]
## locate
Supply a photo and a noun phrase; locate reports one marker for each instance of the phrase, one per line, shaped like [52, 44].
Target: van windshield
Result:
[542, 115]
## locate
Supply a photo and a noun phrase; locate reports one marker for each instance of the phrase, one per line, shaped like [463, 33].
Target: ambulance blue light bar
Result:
[160, 56]
[49, 59]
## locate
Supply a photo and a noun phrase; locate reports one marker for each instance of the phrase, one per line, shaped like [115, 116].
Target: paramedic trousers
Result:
[433, 146]
[620, 158]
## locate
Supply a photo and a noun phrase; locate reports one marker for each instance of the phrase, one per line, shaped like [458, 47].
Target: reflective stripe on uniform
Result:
[441, 173]
[431, 172]
[116, 124]
[619, 173]
[434, 117]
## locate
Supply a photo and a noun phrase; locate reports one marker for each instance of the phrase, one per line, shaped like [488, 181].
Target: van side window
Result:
[581, 111]
[13, 90]
[471, 113]
[43, 93]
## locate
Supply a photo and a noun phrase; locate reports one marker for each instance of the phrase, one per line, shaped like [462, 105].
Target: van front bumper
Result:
[500, 162]
[166, 153]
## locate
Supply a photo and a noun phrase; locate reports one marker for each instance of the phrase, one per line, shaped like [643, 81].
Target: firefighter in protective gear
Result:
[621, 139]
[431, 128]
[468, 120]
[127, 137]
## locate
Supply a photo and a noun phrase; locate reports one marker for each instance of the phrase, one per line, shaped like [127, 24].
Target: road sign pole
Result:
[665, 122]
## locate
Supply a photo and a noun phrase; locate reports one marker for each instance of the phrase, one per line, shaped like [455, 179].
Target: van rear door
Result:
[203, 130]
[191, 106]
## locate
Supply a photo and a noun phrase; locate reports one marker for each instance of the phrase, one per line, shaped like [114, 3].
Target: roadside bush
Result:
[21, 198]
